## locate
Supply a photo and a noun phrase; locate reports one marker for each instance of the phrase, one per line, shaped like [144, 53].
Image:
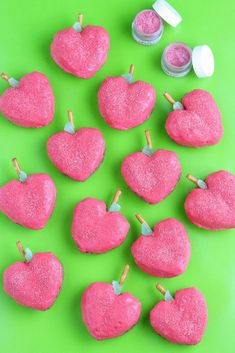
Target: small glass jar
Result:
[147, 27]
[178, 59]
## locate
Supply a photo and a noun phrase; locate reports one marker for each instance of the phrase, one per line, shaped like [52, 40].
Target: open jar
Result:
[178, 59]
[148, 25]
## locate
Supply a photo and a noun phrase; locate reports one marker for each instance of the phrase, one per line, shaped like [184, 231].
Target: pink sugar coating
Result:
[166, 252]
[31, 104]
[178, 55]
[35, 284]
[29, 203]
[147, 22]
[106, 314]
[213, 208]
[77, 155]
[123, 105]
[83, 53]
[95, 230]
[182, 320]
[152, 178]
[199, 124]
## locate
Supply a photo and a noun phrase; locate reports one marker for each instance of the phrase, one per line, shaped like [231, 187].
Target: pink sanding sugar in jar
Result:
[147, 22]
[147, 27]
[178, 55]
[177, 60]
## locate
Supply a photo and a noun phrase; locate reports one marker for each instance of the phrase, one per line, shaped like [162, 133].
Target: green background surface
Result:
[27, 28]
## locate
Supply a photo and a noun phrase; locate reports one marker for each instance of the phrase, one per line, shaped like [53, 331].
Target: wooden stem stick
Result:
[117, 195]
[141, 220]
[132, 69]
[80, 19]
[148, 138]
[21, 249]
[70, 118]
[169, 98]
[192, 178]
[124, 274]
[4, 76]
[16, 165]
[161, 289]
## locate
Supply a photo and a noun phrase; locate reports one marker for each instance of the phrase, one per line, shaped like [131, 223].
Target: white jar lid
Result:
[203, 61]
[167, 12]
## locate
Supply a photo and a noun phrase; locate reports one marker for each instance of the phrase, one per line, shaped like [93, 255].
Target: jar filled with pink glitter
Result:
[178, 59]
[148, 25]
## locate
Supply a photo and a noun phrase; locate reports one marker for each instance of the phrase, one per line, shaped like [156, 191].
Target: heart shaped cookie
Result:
[151, 175]
[183, 319]
[124, 104]
[196, 122]
[29, 102]
[212, 205]
[80, 51]
[106, 312]
[165, 252]
[76, 154]
[96, 230]
[35, 283]
[30, 201]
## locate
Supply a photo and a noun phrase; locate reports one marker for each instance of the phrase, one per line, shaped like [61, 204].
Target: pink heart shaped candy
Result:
[29, 203]
[182, 320]
[83, 53]
[213, 208]
[31, 103]
[96, 230]
[77, 155]
[199, 123]
[124, 105]
[106, 314]
[164, 253]
[35, 284]
[152, 177]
